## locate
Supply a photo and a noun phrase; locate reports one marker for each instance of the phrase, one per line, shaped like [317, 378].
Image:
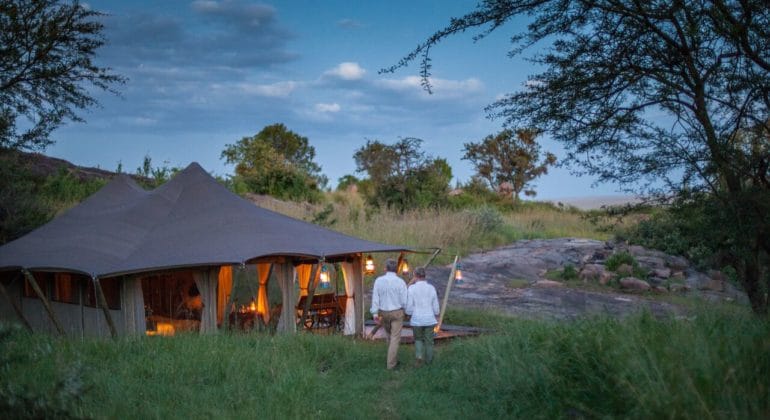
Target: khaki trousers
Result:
[392, 321]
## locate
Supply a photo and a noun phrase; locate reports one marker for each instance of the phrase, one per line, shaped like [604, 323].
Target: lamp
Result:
[325, 284]
[458, 274]
[369, 265]
[404, 267]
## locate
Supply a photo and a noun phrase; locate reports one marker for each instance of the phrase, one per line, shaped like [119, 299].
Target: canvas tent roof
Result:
[191, 220]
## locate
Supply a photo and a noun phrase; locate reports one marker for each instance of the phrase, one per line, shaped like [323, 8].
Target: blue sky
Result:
[203, 74]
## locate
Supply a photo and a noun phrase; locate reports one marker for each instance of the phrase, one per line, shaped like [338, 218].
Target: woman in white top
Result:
[422, 305]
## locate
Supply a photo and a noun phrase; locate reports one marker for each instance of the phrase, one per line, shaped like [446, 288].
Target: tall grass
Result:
[714, 365]
[456, 231]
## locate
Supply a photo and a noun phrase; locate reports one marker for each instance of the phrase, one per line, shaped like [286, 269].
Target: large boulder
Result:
[677, 263]
[634, 284]
[547, 283]
[625, 270]
[595, 272]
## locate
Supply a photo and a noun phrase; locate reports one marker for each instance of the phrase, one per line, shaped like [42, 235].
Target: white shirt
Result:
[422, 304]
[389, 293]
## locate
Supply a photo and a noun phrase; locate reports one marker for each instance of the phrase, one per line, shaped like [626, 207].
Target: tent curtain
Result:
[263, 274]
[303, 277]
[224, 290]
[134, 304]
[350, 305]
[207, 280]
[285, 275]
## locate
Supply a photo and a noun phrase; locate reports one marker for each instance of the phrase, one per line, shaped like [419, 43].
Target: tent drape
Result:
[133, 302]
[223, 291]
[350, 305]
[263, 274]
[207, 280]
[303, 277]
[285, 275]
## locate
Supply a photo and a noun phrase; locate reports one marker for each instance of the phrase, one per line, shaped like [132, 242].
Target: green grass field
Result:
[712, 365]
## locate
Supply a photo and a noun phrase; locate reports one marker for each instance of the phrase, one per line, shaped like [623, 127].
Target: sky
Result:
[203, 74]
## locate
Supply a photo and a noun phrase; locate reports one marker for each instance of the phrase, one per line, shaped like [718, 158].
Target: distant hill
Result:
[40, 165]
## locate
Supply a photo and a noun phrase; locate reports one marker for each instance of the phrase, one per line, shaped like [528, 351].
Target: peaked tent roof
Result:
[191, 220]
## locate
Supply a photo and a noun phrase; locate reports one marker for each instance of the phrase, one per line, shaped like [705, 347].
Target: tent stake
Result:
[103, 303]
[16, 308]
[39, 292]
[446, 293]
[310, 293]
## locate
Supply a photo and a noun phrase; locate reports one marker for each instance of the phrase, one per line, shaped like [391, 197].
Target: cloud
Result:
[347, 71]
[327, 108]
[442, 88]
[220, 34]
[349, 24]
[273, 90]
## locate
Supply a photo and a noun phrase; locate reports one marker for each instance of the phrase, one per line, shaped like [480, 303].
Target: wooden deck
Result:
[447, 332]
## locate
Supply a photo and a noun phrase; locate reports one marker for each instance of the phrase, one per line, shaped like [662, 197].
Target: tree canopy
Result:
[509, 157]
[278, 162]
[401, 175]
[46, 68]
[671, 98]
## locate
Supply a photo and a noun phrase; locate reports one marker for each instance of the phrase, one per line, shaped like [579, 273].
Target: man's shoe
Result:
[418, 363]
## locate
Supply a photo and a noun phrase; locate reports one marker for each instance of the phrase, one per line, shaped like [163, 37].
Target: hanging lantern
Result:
[404, 267]
[325, 283]
[369, 265]
[458, 274]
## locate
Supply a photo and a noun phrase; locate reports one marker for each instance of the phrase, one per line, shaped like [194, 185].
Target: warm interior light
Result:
[325, 284]
[369, 265]
[458, 274]
[253, 306]
[405, 267]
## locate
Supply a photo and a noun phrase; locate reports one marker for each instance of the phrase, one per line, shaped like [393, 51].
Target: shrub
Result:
[569, 273]
[620, 258]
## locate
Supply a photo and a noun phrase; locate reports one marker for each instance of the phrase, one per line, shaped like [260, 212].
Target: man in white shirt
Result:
[422, 305]
[388, 302]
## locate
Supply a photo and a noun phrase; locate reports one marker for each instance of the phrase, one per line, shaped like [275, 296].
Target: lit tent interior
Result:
[130, 261]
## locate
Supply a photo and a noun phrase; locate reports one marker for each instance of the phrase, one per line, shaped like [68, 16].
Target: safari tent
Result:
[128, 261]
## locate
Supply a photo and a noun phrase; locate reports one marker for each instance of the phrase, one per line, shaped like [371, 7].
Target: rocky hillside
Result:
[523, 279]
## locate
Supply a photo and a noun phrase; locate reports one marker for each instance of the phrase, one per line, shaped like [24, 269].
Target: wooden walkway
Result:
[447, 332]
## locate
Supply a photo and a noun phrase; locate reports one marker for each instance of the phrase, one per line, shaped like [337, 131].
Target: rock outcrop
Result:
[487, 280]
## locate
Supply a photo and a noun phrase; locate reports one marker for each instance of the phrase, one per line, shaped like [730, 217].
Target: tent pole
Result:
[358, 293]
[103, 303]
[15, 305]
[39, 292]
[446, 293]
[310, 292]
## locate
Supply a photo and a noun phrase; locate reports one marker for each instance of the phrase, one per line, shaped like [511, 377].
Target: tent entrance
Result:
[172, 303]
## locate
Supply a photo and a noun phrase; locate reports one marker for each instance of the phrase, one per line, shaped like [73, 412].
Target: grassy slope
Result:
[714, 365]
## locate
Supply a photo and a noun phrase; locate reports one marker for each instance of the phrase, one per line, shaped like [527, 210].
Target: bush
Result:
[618, 259]
[569, 273]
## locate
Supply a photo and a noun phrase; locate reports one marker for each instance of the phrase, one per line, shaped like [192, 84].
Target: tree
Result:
[401, 175]
[654, 96]
[509, 157]
[278, 162]
[46, 68]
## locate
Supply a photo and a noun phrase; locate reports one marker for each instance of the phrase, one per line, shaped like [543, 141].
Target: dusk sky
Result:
[204, 74]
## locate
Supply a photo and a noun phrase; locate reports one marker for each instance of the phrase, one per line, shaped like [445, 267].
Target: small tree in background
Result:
[401, 175]
[46, 68]
[509, 157]
[278, 162]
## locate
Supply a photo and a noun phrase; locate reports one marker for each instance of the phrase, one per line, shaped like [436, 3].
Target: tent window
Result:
[111, 288]
[66, 288]
[43, 280]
